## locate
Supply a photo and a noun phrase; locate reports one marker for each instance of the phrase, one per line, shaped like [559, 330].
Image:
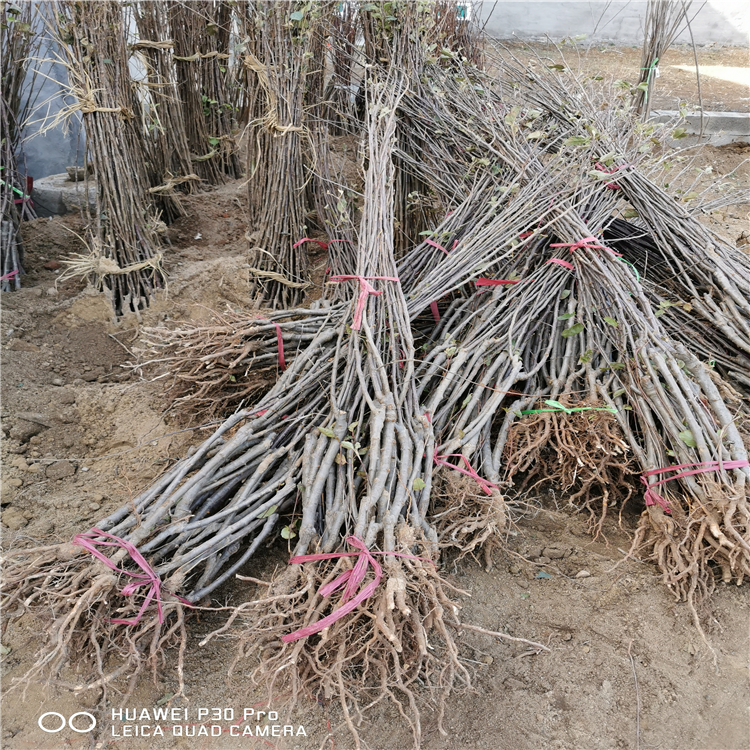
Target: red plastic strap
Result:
[435, 311]
[10, 275]
[496, 282]
[652, 497]
[469, 471]
[435, 244]
[563, 263]
[364, 290]
[352, 578]
[280, 342]
[322, 244]
[89, 542]
[602, 168]
[589, 242]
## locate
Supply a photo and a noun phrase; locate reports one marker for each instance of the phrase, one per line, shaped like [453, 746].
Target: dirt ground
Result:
[674, 87]
[83, 433]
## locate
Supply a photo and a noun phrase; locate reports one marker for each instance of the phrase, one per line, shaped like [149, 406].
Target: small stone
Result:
[94, 506]
[36, 292]
[57, 382]
[52, 292]
[535, 552]
[606, 686]
[568, 637]
[513, 684]
[13, 519]
[60, 470]
[486, 659]
[33, 469]
[17, 345]
[20, 463]
[52, 265]
[23, 430]
[544, 560]
[583, 574]
[554, 553]
[14, 482]
[19, 449]
[514, 570]
[66, 396]
[84, 468]
[586, 649]
[35, 440]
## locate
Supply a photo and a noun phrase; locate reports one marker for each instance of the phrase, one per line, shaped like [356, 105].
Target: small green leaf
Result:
[556, 405]
[565, 294]
[419, 484]
[630, 213]
[679, 133]
[297, 15]
[642, 86]
[557, 66]
[466, 401]
[611, 321]
[450, 351]
[627, 407]
[352, 426]
[572, 331]
[535, 135]
[232, 379]
[164, 699]
[687, 437]
[619, 392]
[577, 140]
[340, 460]
[287, 533]
[565, 316]
[346, 444]
[269, 512]
[616, 366]
[327, 432]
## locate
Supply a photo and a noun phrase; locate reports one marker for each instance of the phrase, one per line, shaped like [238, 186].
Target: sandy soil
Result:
[674, 87]
[83, 434]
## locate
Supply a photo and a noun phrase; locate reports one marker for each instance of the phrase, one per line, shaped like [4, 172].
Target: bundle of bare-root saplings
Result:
[528, 337]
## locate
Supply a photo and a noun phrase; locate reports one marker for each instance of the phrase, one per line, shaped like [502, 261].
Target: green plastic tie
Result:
[557, 406]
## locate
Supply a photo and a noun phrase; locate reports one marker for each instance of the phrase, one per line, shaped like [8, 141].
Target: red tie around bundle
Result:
[89, 542]
[435, 244]
[365, 289]
[352, 578]
[7, 276]
[435, 311]
[563, 263]
[469, 471]
[280, 344]
[589, 242]
[323, 245]
[652, 497]
[496, 282]
[602, 168]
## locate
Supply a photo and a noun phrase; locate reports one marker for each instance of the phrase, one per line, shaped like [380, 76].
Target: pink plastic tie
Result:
[365, 289]
[89, 542]
[654, 498]
[589, 242]
[496, 282]
[351, 599]
[280, 344]
[435, 244]
[323, 245]
[435, 311]
[469, 471]
[563, 263]
[602, 168]
[7, 276]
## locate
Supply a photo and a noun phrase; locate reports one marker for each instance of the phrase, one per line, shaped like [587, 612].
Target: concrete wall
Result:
[619, 21]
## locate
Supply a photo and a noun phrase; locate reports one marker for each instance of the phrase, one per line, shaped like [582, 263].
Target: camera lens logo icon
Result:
[47, 725]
